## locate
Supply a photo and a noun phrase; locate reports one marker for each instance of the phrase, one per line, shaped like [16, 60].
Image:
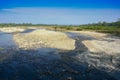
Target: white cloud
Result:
[57, 15]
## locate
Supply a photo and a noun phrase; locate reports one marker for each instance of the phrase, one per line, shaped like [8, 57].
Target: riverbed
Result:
[55, 63]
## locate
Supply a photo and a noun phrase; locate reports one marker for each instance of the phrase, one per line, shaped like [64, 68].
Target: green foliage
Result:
[113, 27]
[87, 26]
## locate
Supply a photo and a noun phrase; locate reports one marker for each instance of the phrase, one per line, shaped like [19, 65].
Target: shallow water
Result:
[29, 65]
[28, 31]
[31, 30]
[6, 40]
[78, 36]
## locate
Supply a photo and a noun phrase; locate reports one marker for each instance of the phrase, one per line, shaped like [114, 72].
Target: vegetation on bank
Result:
[105, 27]
[112, 28]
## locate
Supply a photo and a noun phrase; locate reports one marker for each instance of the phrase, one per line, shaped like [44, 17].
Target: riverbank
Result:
[12, 29]
[81, 55]
[102, 43]
[44, 38]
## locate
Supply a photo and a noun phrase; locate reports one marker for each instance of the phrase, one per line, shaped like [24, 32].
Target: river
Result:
[47, 63]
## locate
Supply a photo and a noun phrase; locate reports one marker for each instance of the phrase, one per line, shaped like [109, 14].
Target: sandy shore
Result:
[11, 29]
[44, 38]
[101, 42]
[98, 46]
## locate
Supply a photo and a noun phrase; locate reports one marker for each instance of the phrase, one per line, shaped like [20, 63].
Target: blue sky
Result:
[59, 11]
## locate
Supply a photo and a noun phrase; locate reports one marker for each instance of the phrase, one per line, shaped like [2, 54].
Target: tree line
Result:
[113, 24]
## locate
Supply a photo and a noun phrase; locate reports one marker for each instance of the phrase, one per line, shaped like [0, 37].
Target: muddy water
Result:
[48, 64]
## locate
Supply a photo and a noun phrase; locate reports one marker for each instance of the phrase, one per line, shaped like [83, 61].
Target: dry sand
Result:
[99, 46]
[102, 42]
[44, 38]
[11, 29]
